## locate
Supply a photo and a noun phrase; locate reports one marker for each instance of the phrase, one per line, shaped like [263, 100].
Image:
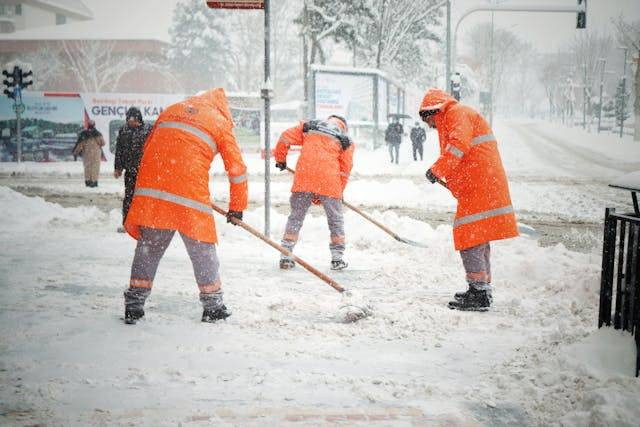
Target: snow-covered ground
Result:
[283, 357]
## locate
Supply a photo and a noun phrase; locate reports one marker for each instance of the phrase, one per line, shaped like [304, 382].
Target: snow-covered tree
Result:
[200, 48]
[385, 34]
[397, 30]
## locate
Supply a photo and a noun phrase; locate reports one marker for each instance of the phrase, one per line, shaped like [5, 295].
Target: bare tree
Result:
[96, 64]
[492, 63]
[47, 65]
[247, 54]
[587, 48]
[629, 36]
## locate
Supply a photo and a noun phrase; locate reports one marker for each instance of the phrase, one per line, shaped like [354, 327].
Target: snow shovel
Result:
[523, 229]
[381, 226]
[352, 306]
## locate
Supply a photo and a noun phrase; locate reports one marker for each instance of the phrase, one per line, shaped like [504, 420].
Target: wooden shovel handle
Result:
[335, 285]
[361, 213]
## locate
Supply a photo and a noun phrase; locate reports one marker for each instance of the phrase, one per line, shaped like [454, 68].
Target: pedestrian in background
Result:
[418, 136]
[393, 138]
[129, 148]
[89, 146]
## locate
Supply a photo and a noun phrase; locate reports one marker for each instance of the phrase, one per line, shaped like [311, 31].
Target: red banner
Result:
[236, 4]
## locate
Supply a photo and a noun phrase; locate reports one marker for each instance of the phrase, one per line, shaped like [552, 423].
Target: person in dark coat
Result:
[418, 136]
[89, 146]
[129, 147]
[393, 138]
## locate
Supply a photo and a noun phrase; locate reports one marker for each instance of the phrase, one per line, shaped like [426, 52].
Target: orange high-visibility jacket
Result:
[172, 189]
[470, 164]
[324, 166]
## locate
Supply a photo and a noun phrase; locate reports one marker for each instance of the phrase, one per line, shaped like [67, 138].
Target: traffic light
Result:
[10, 82]
[16, 81]
[26, 83]
[581, 21]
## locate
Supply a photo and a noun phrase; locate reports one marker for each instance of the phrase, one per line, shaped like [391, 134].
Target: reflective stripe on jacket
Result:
[323, 166]
[172, 188]
[470, 164]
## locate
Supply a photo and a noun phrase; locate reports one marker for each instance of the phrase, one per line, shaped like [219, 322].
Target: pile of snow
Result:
[19, 213]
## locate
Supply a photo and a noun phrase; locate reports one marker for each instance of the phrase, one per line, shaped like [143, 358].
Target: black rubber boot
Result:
[459, 296]
[287, 263]
[475, 299]
[210, 315]
[133, 314]
[87, 183]
[338, 265]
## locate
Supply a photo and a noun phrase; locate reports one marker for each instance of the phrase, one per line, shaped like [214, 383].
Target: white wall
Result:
[35, 17]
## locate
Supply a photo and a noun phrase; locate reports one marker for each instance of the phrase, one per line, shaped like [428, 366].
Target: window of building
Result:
[3, 10]
[19, 9]
[61, 19]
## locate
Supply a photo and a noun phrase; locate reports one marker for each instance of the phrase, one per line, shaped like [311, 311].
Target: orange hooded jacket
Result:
[172, 189]
[324, 166]
[470, 164]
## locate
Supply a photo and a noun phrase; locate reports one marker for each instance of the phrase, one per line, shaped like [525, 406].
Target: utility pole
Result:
[448, 62]
[266, 94]
[604, 63]
[305, 52]
[624, 91]
[584, 97]
[491, 71]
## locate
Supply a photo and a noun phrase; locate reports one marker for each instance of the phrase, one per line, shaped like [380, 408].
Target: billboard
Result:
[50, 125]
[52, 121]
[347, 95]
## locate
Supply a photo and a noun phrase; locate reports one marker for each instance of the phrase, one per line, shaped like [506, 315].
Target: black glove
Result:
[281, 165]
[234, 214]
[431, 177]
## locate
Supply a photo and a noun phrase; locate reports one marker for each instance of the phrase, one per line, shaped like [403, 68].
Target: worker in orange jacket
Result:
[470, 165]
[172, 194]
[322, 173]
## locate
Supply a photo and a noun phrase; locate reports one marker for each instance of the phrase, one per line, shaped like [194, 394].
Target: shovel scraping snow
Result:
[378, 224]
[352, 307]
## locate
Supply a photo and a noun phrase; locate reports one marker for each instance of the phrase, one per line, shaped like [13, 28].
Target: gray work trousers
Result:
[151, 246]
[393, 147]
[300, 202]
[477, 263]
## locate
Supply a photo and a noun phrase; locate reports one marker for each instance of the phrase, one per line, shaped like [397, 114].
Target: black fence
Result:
[621, 266]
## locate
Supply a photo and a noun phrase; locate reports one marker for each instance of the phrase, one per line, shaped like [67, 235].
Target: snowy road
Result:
[283, 357]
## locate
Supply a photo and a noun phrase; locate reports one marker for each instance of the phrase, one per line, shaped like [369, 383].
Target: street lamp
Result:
[604, 63]
[624, 89]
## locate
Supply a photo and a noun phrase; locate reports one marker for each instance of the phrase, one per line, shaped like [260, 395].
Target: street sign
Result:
[18, 108]
[236, 4]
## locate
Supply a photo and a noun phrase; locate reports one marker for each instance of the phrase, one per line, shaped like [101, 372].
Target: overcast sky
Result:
[547, 31]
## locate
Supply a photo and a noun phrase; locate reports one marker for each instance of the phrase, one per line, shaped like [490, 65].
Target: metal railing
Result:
[621, 266]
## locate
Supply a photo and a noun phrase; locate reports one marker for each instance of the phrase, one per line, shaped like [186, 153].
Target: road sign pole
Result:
[18, 135]
[267, 119]
[265, 92]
